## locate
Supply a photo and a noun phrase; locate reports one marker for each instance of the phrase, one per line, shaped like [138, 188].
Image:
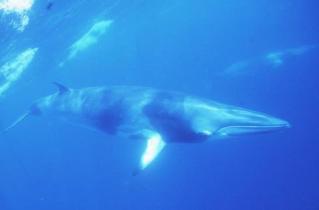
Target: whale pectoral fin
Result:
[154, 146]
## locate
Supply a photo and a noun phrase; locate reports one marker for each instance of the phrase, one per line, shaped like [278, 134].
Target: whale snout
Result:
[276, 122]
[247, 122]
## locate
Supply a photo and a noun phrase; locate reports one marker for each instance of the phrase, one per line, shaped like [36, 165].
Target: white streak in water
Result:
[18, 11]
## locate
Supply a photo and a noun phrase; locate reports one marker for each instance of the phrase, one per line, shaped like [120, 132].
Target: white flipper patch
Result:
[155, 145]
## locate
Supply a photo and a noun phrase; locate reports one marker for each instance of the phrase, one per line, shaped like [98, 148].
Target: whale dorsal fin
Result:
[61, 88]
[154, 145]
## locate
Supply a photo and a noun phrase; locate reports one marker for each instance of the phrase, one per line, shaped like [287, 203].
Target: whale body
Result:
[160, 117]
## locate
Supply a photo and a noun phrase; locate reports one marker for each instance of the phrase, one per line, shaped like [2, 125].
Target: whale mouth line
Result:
[283, 125]
[249, 129]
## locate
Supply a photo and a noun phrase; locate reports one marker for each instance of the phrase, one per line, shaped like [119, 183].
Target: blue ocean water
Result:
[262, 55]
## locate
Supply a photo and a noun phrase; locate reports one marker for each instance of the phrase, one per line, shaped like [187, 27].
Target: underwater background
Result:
[262, 55]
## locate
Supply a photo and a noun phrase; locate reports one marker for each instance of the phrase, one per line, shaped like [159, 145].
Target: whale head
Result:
[237, 121]
[220, 120]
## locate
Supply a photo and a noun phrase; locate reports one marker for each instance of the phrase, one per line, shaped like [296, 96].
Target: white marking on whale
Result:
[160, 117]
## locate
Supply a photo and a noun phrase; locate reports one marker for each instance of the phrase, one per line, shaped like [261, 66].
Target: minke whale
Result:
[90, 38]
[12, 70]
[271, 60]
[159, 117]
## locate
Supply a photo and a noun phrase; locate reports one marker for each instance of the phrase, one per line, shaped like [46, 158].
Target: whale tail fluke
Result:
[15, 123]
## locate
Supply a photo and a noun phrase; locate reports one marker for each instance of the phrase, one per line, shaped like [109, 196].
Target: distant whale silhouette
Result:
[90, 38]
[12, 70]
[160, 117]
[271, 60]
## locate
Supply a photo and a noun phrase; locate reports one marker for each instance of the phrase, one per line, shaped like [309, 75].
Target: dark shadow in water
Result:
[49, 5]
